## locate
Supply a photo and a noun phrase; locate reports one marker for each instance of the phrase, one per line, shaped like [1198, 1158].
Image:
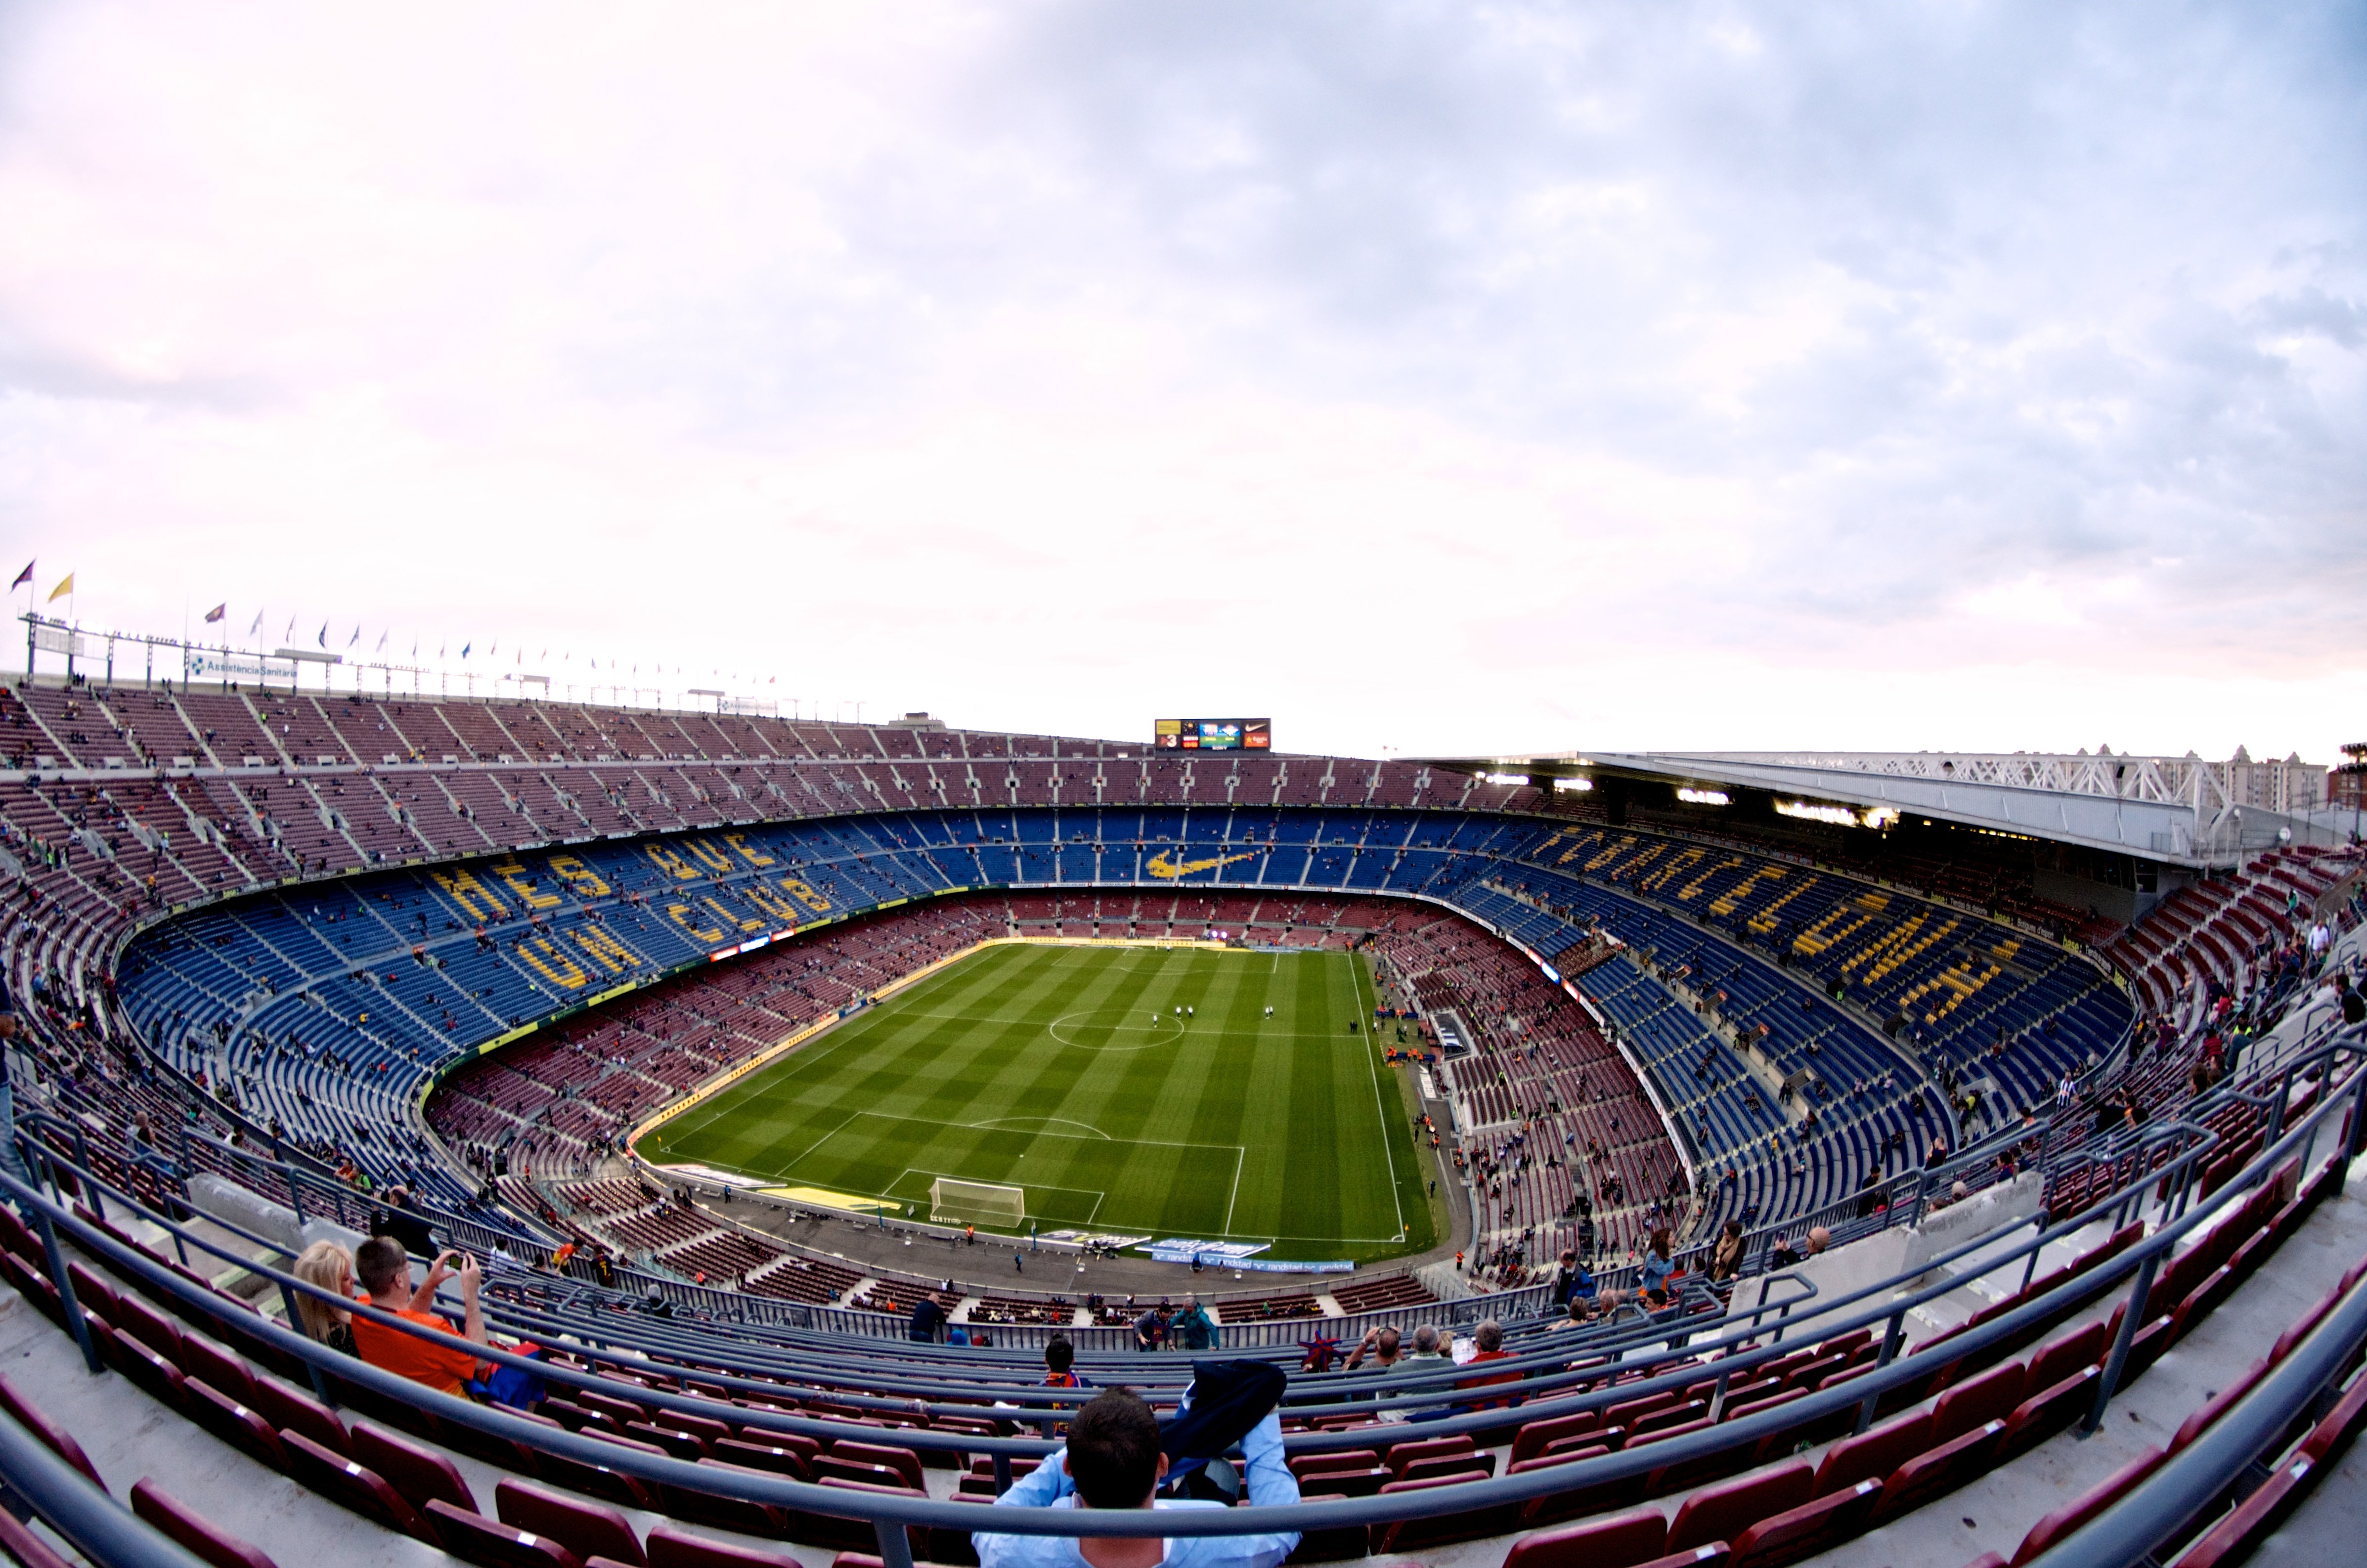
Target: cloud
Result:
[1431, 378]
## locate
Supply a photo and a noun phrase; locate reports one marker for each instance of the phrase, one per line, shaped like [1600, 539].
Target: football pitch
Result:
[1069, 1072]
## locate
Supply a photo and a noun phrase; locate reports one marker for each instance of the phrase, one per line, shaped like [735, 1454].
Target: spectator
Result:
[1726, 1260]
[1657, 1266]
[1566, 1279]
[1820, 1238]
[329, 1266]
[1426, 1346]
[1112, 1461]
[1193, 1329]
[1488, 1336]
[1059, 1357]
[1782, 1256]
[385, 1272]
[928, 1319]
[1381, 1344]
[1149, 1330]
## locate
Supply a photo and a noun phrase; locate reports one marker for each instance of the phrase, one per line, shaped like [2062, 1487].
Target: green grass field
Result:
[1066, 1071]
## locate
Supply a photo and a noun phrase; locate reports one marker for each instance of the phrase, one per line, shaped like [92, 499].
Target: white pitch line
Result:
[1372, 1062]
[997, 1126]
[1235, 1195]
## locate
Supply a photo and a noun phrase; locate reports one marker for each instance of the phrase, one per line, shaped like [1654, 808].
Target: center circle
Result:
[1116, 1029]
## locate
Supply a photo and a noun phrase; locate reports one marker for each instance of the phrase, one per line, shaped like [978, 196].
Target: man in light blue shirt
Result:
[1112, 1461]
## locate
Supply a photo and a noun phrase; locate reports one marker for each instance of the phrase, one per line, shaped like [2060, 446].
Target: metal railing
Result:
[1739, 1343]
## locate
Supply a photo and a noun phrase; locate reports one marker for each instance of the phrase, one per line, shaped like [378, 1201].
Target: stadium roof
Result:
[2159, 808]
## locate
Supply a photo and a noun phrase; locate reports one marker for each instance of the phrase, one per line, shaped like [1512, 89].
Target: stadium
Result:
[1554, 784]
[729, 1041]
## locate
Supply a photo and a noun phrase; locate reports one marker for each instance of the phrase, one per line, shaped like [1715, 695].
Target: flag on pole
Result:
[288, 636]
[323, 639]
[61, 590]
[464, 650]
[354, 640]
[218, 611]
[258, 628]
[23, 577]
[381, 640]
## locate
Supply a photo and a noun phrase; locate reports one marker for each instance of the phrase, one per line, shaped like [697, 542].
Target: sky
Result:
[1434, 379]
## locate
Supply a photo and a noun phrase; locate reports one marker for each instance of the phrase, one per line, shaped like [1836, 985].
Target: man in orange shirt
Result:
[384, 1271]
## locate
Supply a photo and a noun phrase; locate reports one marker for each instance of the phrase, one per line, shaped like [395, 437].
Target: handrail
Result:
[2126, 1534]
[888, 1514]
[95, 1524]
[1409, 1390]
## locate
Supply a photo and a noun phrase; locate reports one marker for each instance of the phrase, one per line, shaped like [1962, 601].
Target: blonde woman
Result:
[329, 1267]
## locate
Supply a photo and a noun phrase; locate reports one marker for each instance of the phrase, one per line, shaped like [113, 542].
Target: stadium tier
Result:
[277, 953]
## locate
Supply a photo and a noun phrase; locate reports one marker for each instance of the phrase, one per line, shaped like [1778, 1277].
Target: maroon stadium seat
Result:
[2063, 1355]
[1723, 1512]
[1619, 1542]
[288, 1407]
[488, 1544]
[754, 1456]
[2046, 1412]
[1873, 1453]
[1404, 1454]
[1464, 1467]
[234, 1423]
[199, 1536]
[25, 1547]
[1440, 1530]
[419, 1473]
[2064, 1520]
[1937, 1471]
[2256, 1518]
[59, 1440]
[903, 1462]
[1978, 1401]
[2200, 1421]
[588, 1529]
[226, 1374]
[364, 1491]
[739, 1514]
[1804, 1531]
[671, 1547]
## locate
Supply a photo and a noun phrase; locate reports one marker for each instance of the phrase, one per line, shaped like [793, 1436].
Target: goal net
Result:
[977, 1202]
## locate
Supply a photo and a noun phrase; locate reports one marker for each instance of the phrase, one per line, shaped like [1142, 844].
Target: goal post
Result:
[978, 1203]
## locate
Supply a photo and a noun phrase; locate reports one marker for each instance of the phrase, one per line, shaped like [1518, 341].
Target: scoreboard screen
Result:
[1213, 734]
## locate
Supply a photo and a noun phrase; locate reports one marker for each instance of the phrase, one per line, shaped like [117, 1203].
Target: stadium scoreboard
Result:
[1213, 734]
